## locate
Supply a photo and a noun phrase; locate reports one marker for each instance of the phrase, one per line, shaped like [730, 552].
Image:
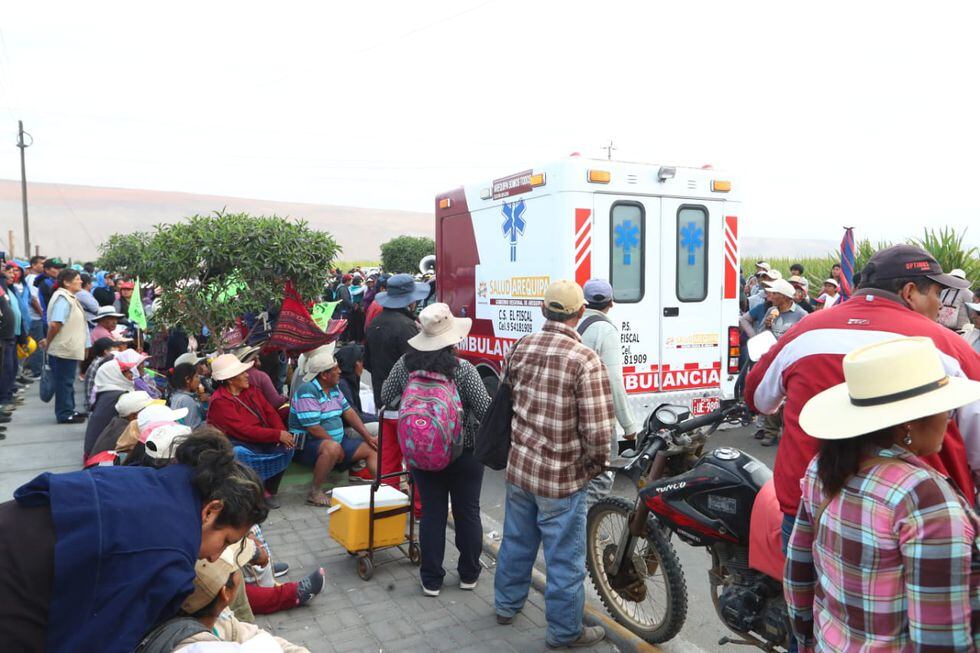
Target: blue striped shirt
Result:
[312, 406]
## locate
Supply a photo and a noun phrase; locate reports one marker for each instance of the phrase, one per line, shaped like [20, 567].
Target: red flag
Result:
[295, 330]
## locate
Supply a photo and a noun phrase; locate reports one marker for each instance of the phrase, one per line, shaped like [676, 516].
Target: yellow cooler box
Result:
[349, 508]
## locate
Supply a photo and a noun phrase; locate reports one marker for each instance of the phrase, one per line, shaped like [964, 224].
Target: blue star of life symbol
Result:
[627, 238]
[514, 224]
[692, 239]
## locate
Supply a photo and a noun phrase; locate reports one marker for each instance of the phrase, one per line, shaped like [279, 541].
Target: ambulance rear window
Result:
[627, 226]
[692, 249]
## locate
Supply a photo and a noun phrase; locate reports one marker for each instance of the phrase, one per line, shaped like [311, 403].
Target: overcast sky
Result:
[859, 113]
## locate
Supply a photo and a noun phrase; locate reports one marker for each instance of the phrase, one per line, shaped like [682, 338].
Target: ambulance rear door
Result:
[626, 248]
[690, 263]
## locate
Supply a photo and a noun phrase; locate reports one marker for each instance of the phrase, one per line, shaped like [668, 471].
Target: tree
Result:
[214, 268]
[402, 254]
[124, 253]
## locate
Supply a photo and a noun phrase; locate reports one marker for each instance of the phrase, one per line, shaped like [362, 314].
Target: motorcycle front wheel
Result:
[655, 605]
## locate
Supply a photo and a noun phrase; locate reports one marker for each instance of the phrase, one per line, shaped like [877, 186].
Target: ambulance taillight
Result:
[734, 349]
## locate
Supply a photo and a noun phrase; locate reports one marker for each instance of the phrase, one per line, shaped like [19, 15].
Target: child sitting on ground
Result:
[204, 616]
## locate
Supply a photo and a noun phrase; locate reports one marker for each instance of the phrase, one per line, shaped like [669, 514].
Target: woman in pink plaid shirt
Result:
[884, 553]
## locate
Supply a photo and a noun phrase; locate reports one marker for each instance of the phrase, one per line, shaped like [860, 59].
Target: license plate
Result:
[704, 405]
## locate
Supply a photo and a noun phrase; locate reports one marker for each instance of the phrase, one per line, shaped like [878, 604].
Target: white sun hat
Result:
[832, 282]
[781, 286]
[317, 361]
[886, 383]
[158, 413]
[227, 366]
[440, 329]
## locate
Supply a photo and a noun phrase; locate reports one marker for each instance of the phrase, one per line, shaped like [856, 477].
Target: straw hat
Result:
[227, 366]
[886, 383]
[317, 361]
[210, 577]
[440, 329]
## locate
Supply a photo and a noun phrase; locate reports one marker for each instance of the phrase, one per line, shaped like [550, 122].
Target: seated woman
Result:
[884, 553]
[253, 426]
[111, 439]
[102, 351]
[318, 413]
[259, 378]
[89, 560]
[113, 379]
[185, 387]
[431, 356]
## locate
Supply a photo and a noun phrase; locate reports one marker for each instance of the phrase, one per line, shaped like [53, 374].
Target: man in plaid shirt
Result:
[561, 430]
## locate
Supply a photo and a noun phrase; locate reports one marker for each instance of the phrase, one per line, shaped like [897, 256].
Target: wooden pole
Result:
[10, 243]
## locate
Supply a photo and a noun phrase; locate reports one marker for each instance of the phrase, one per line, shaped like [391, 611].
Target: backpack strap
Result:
[865, 465]
[165, 637]
[589, 321]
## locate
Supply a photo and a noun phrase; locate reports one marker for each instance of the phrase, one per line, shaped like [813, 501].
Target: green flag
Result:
[136, 314]
[322, 313]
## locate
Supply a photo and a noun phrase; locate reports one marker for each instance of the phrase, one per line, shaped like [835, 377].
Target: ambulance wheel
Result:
[365, 568]
[491, 383]
[415, 553]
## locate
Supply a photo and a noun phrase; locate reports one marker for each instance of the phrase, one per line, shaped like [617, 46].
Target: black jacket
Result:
[8, 321]
[386, 339]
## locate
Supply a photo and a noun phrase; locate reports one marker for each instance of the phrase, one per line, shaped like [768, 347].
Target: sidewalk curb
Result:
[615, 632]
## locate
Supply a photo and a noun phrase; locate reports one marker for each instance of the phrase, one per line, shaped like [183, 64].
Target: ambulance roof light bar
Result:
[599, 176]
[719, 186]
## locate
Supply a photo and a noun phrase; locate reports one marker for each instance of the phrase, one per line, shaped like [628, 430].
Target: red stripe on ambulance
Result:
[583, 245]
[731, 257]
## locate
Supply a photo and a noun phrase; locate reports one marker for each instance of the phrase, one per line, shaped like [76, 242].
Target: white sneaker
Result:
[467, 586]
[427, 591]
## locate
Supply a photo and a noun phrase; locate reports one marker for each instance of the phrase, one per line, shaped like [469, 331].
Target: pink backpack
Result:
[430, 421]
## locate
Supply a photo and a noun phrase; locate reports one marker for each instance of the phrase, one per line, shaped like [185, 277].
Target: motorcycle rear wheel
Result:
[660, 615]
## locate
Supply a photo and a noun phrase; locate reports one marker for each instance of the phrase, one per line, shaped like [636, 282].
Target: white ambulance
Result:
[665, 237]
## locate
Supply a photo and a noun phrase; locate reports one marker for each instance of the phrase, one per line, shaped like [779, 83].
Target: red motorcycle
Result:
[705, 500]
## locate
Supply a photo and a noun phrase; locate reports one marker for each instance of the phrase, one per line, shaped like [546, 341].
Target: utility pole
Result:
[23, 145]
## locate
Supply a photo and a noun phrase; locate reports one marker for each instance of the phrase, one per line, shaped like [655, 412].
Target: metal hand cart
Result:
[365, 558]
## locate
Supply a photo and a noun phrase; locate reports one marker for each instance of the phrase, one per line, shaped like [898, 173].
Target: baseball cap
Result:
[133, 402]
[903, 261]
[159, 441]
[564, 296]
[597, 291]
[782, 287]
[55, 263]
[210, 577]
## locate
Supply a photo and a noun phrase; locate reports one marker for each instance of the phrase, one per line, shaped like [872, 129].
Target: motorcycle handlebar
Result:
[708, 419]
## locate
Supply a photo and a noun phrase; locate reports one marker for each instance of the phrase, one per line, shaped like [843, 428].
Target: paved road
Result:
[703, 629]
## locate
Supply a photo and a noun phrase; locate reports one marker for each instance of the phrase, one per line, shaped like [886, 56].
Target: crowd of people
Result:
[157, 544]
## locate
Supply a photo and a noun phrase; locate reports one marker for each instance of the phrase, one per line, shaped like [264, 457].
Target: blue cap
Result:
[597, 291]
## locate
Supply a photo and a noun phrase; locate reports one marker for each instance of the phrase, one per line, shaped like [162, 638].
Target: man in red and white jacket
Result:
[899, 296]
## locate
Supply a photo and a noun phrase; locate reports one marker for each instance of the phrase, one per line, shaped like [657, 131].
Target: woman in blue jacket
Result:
[91, 560]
